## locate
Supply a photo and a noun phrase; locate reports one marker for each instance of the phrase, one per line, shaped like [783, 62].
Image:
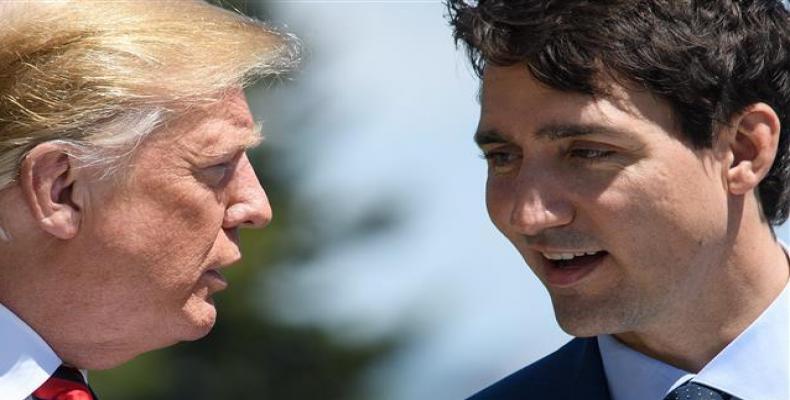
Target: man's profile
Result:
[123, 179]
[638, 156]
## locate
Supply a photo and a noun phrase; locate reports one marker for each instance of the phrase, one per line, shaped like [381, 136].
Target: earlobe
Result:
[753, 146]
[47, 179]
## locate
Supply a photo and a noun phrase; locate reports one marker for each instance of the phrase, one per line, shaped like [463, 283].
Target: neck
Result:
[729, 298]
[35, 293]
[55, 322]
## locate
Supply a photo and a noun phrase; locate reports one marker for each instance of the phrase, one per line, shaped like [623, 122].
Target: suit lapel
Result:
[590, 379]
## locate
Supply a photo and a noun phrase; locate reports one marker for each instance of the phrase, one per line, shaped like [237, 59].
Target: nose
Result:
[539, 204]
[248, 205]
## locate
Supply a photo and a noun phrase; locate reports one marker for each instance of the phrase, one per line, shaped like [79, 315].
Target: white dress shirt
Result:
[26, 361]
[754, 366]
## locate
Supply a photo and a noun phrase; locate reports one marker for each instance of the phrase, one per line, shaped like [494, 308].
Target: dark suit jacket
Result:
[574, 372]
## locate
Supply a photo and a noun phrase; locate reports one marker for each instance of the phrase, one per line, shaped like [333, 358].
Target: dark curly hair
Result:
[708, 58]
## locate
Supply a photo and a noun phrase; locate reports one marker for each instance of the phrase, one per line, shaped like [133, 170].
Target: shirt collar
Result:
[633, 375]
[756, 365]
[26, 361]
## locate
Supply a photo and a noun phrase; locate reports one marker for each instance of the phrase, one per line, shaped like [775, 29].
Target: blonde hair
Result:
[101, 75]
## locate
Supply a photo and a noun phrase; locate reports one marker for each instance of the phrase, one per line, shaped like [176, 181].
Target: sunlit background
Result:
[381, 276]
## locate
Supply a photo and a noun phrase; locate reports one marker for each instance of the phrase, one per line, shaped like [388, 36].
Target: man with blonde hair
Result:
[123, 179]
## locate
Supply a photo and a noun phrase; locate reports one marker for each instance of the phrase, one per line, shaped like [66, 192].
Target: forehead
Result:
[512, 100]
[221, 126]
[234, 108]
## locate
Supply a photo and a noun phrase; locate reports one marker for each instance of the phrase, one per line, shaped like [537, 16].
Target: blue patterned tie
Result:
[695, 391]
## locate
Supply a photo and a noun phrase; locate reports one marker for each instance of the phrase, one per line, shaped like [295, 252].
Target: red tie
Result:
[65, 384]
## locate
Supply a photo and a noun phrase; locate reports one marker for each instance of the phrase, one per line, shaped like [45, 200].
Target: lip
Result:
[572, 274]
[554, 250]
[215, 280]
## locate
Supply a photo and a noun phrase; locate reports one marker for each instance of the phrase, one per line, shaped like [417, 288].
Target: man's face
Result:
[154, 243]
[614, 212]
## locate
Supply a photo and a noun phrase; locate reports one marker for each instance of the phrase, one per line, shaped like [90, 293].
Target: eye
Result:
[216, 175]
[501, 162]
[590, 154]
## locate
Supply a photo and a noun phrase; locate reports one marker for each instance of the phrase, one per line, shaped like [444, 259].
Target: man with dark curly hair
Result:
[638, 160]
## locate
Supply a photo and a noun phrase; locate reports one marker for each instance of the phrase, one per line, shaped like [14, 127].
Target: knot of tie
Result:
[695, 391]
[65, 384]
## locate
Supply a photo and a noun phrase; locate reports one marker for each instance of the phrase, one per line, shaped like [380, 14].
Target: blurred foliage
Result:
[248, 354]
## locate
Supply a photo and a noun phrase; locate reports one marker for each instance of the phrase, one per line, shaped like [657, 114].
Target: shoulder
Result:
[577, 362]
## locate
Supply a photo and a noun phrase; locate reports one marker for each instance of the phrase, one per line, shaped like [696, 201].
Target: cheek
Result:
[163, 235]
[687, 196]
[192, 224]
[184, 207]
[499, 202]
[199, 217]
[664, 212]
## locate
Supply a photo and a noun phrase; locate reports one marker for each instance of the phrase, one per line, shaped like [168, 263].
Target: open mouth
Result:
[215, 280]
[574, 260]
[565, 269]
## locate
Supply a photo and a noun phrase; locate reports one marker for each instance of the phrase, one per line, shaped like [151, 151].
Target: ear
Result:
[47, 179]
[752, 144]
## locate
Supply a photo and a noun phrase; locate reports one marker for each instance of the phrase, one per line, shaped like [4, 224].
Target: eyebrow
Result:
[256, 136]
[253, 140]
[489, 136]
[551, 132]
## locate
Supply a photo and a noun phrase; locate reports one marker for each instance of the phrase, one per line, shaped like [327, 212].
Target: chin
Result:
[585, 322]
[201, 317]
[580, 330]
